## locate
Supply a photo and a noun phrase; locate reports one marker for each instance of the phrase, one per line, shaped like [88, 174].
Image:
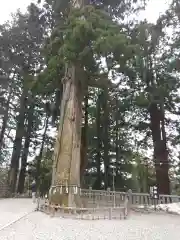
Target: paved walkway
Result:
[38, 226]
[13, 209]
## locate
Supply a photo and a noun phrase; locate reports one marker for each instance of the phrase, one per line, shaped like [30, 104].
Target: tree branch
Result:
[101, 82]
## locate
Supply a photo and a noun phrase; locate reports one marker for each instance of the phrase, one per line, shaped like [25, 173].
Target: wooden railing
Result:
[110, 198]
[100, 204]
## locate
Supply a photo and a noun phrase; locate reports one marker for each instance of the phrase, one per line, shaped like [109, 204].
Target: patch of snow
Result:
[170, 207]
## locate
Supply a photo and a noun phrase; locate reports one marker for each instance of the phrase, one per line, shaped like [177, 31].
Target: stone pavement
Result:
[13, 209]
[39, 226]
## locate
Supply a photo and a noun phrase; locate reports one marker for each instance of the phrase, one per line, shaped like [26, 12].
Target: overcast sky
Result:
[154, 8]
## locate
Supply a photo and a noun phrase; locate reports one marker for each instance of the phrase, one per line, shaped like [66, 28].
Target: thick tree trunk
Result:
[117, 142]
[14, 167]
[25, 153]
[5, 119]
[106, 139]
[84, 159]
[66, 168]
[97, 184]
[39, 157]
[160, 149]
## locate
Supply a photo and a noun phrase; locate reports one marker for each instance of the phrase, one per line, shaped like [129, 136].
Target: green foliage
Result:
[88, 36]
[142, 100]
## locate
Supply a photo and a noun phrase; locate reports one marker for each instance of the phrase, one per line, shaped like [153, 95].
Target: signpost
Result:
[154, 195]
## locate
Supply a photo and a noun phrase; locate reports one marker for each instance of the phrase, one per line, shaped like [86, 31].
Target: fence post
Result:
[38, 204]
[110, 213]
[128, 202]
[52, 211]
[108, 198]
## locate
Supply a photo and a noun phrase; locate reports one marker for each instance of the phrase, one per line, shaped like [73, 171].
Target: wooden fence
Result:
[100, 204]
[111, 198]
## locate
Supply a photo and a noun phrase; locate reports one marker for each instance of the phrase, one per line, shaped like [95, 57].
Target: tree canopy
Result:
[129, 82]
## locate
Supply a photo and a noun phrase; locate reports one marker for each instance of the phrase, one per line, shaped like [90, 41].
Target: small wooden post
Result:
[110, 213]
[38, 204]
[127, 204]
[52, 211]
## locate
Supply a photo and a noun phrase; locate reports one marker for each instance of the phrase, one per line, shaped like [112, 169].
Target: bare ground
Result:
[38, 226]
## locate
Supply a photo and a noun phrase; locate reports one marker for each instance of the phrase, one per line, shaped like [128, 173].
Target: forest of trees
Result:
[128, 87]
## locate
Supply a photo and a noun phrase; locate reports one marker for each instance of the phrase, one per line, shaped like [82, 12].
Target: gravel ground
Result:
[38, 226]
[13, 209]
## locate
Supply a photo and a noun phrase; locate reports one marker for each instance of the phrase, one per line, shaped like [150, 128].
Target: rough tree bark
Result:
[66, 167]
[67, 154]
[157, 125]
[25, 153]
[84, 144]
[97, 184]
[5, 118]
[39, 157]
[14, 166]
[106, 138]
[160, 149]
[117, 141]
